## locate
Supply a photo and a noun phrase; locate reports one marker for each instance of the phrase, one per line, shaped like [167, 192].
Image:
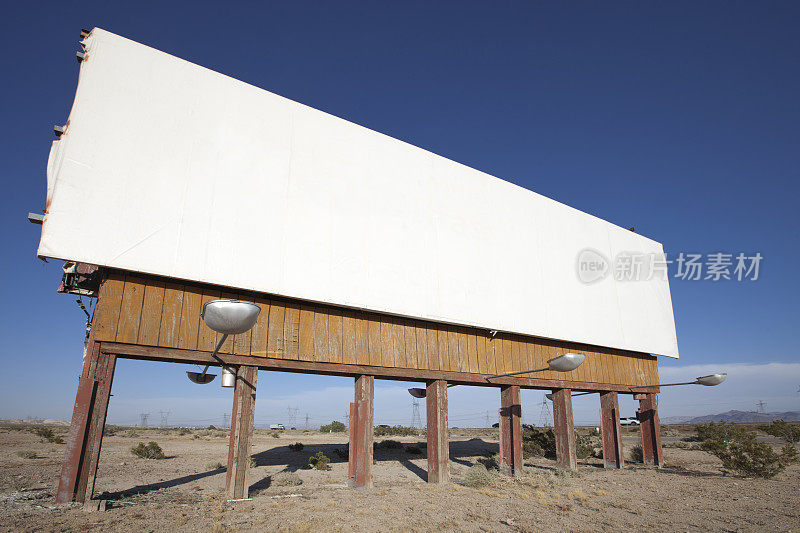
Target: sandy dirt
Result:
[184, 492]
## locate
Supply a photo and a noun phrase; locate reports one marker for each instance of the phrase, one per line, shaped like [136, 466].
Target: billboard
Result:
[172, 169]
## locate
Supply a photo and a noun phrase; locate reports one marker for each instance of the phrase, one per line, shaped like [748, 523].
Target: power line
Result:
[760, 406]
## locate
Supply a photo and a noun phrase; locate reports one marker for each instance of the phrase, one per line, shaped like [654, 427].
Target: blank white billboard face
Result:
[169, 168]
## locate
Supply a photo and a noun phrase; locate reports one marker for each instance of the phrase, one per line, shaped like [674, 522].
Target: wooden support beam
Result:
[650, 429]
[511, 428]
[85, 437]
[564, 429]
[177, 355]
[438, 432]
[244, 402]
[610, 429]
[361, 433]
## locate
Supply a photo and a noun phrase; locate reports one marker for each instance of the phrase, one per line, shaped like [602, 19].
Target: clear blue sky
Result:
[680, 119]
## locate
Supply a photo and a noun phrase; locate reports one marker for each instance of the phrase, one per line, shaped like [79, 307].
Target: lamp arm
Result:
[665, 385]
[214, 353]
[516, 373]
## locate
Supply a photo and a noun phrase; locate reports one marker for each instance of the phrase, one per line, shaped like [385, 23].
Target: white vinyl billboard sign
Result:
[169, 168]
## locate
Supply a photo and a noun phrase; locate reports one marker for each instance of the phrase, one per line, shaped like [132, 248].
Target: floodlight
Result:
[229, 317]
[710, 380]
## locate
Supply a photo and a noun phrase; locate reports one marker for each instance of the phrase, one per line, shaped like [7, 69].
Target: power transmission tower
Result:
[307, 417]
[544, 415]
[416, 420]
[143, 419]
[488, 419]
[292, 415]
[347, 417]
[760, 406]
[164, 415]
[224, 420]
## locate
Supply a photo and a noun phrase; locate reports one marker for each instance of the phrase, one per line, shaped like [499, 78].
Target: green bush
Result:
[395, 431]
[538, 442]
[151, 450]
[296, 447]
[26, 454]
[739, 450]
[184, 431]
[274, 434]
[333, 427]
[319, 461]
[788, 432]
[585, 445]
[212, 427]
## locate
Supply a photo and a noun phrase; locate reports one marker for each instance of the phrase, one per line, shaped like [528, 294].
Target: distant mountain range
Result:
[734, 416]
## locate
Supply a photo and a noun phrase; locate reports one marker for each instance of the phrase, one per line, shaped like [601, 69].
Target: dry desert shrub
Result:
[25, 454]
[151, 450]
[395, 431]
[296, 447]
[783, 430]
[387, 444]
[738, 449]
[47, 433]
[285, 479]
[478, 476]
[214, 465]
[637, 454]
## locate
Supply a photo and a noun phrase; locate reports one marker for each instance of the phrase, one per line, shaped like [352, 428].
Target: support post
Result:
[610, 429]
[359, 463]
[438, 433]
[85, 437]
[511, 428]
[237, 479]
[650, 429]
[564, 428]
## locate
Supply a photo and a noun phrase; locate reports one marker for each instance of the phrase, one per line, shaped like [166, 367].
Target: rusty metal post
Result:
[237, 479]
[438, 432]
[85, 437]
[359, 463]
[610, 428]
[564, 428]
[511, 428]
[650, 429]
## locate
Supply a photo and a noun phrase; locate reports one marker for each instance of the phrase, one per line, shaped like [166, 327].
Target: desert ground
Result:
[184, 491]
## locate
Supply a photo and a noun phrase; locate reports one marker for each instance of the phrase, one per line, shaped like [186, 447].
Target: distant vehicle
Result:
[280, 427]
[383, 425]
[628, 422]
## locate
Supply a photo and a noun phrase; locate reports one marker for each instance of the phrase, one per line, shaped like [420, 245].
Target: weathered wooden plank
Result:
[150, 323]
[374, 341]
[398, 343]
[444, 356]
[432, 338]
[362, 338]
[171, 315]
[387, 346]
[454, 354]
[306, 333]
[409, 335]
[335, 336]
[190, 317]
[130, 312]
[421, 337]
[258, 338]
[349, 355]
[291, 331]
[106, 314]
[275, 343]
[321, 351]
[472, 353]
